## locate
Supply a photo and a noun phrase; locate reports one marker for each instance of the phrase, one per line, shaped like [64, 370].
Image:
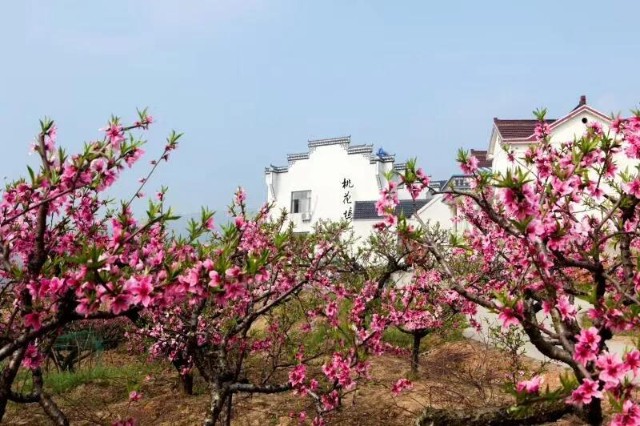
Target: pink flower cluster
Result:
[387, 203]
[339, 370]
[531, 386]
[555, 229]
[400, 386]
[588, 346]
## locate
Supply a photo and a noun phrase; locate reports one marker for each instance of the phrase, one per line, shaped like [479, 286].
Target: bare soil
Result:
[461, 374]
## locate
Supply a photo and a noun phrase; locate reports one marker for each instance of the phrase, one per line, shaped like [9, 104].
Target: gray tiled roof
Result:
[330, 141]
[367, 209]
[360, 149]
[276, 169]
[298, 156]
[366, 149]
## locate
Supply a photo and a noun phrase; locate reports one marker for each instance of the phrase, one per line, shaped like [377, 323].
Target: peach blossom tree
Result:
[67, 253]
[556, 240]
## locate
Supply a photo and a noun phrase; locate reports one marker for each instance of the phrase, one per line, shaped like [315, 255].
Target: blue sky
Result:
[250, 81]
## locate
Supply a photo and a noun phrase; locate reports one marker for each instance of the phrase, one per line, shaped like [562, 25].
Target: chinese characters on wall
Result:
[346, 198]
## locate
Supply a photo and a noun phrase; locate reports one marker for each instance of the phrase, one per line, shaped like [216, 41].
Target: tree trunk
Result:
[219, 396]
[415, 353]
[418, 335]
[53, 411]
[47, 404]
[8, 376]
[592, 413]
[227, 419]
[186, 380]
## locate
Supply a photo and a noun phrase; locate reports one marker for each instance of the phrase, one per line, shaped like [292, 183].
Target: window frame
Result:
[298, 199]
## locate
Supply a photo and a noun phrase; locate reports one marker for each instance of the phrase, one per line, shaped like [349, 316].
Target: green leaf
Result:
[31, 174]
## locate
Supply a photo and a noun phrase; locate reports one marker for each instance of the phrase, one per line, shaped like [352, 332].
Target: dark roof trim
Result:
[385, 159]
[276, 169]
[366, 210]
[298, 156]
[360, 149]
[366, 149]
[330, 141]
[399, 166]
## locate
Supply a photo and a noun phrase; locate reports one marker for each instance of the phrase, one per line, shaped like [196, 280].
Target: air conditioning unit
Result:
[306, 217]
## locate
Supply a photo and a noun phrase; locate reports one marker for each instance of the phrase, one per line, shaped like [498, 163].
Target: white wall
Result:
[363, 228]
[323, 173]
[437, 211]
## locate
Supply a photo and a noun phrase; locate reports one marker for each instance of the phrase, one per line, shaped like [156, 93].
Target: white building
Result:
[517, 135]
[334, 180]
[513, 135]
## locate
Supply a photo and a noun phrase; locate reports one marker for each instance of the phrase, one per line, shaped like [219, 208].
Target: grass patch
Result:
[128, 376]
[131, 375]
[451, 332]
[398, 338]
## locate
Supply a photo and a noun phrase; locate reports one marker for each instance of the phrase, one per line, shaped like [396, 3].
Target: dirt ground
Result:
[460, 374]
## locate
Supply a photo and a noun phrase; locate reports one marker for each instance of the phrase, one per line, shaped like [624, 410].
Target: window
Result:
[461, 183]
[300, 201]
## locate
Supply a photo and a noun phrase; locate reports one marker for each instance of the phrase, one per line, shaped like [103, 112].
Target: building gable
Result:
[575, 124]
[324, 182]
[519, 133]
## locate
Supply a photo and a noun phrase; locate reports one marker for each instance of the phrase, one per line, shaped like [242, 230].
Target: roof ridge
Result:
[504, 120]
[360, 149]
[329, 141]
[298, 156]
